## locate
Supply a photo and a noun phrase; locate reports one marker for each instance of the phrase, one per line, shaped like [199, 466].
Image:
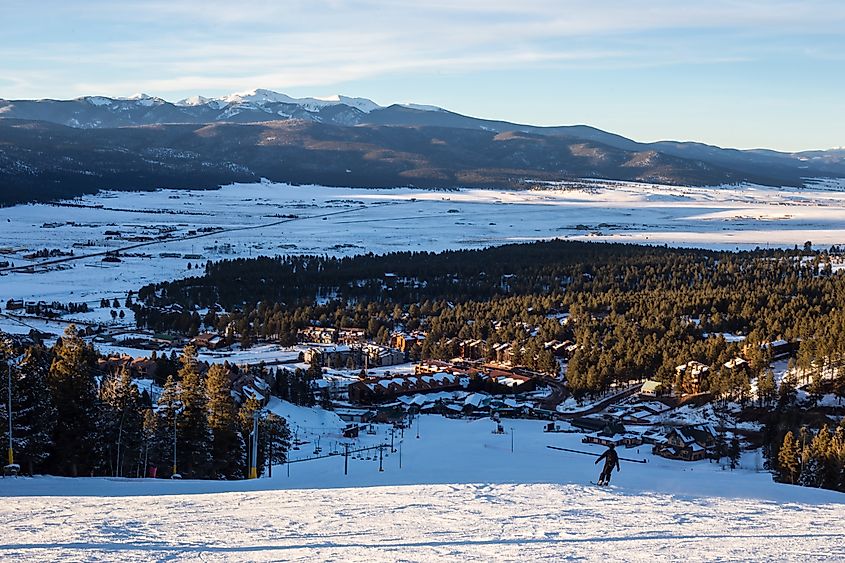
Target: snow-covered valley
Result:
[157, 234]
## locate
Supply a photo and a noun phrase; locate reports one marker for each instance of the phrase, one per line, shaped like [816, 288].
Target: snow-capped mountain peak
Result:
[421, 107]
[262, 96]
[257, 96]
[143, 99]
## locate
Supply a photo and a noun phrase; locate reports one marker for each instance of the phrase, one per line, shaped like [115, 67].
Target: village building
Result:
[209, 340]
[473, 349]
[690, 376]
[350, 336]
[404, 342]
[381, 356]
[382, 389]
[653, 388]
[686, 443]
[333, 357]
[317, 335]
[502, 352]
[138, 368]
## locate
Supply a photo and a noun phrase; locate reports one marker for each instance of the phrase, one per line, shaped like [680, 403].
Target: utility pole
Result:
[175, 414]
[9, 411]
[380, 458]
[253, 458]
[270, 464]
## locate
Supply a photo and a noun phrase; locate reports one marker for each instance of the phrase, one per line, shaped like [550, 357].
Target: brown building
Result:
[138, 368]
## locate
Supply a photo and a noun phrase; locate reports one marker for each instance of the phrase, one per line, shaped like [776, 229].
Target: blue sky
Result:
[734, 73]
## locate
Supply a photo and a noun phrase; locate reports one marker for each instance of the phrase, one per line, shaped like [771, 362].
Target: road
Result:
[128, 247]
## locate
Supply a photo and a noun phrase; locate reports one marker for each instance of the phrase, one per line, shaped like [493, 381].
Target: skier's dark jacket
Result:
[610, 458]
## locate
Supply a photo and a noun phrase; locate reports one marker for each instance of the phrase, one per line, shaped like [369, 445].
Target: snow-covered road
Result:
[419, 523]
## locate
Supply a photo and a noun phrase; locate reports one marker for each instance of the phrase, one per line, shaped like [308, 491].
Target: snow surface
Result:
[461, 495]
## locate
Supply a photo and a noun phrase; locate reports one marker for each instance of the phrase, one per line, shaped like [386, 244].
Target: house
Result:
[560, 349]
[652, 388]
[247, 384]
[642, 413]
[381, 389]
[499, 381]
[380, 356]
[595, 424]
[502, 352]
[473, 349]
[405, 342]
[334, 356]
[351, 335]
[317, 334]
[355, 415]
[138, 368]
[781, 349]
[610, 432]
[209, 340]
[687, 443]
[690, 376]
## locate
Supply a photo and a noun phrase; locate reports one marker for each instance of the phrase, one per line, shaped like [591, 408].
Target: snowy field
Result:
[460, 495]
[270, 219]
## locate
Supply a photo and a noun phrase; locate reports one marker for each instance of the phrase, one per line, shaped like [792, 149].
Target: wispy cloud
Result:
[211, 46]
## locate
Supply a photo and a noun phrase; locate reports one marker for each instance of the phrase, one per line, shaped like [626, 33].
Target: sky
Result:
[740, 74]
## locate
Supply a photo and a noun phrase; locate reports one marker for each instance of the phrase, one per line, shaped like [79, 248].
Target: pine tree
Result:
[33, 411]
[278, 439]
[788, 458]
[720, 449]
[148, 434]
[194, 434]
[766, 389]
[228, 443]
[787, 393]
[811, 471]
[74, 391]
[120, 423]
[734, 452]
[169, 404]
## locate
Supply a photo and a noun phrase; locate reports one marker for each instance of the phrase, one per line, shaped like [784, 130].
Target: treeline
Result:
[804, 447]
[68, 418]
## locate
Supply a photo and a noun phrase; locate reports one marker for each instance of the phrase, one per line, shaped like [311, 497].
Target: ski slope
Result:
[460, 495]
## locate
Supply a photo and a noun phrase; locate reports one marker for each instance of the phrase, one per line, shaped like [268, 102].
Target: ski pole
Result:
[595, 455]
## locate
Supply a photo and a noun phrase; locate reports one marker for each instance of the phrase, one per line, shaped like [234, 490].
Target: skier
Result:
[610, 458]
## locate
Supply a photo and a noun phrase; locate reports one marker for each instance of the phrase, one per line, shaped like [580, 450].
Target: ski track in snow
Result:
[419, 523]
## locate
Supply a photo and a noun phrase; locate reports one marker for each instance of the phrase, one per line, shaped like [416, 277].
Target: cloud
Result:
[169, 47]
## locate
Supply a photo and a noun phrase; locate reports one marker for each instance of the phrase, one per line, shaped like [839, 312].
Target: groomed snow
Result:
[461, 495]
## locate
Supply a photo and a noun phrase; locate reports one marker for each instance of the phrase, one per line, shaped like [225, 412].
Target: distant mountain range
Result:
[63, 148]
